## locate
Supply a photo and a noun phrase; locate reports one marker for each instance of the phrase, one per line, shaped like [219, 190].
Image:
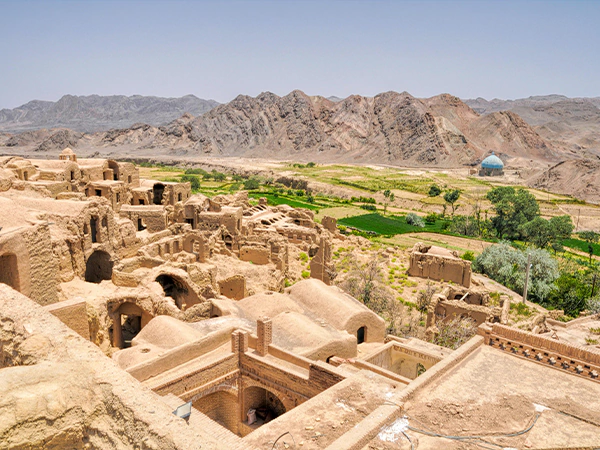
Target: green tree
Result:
[389, 198]
[193, 180]
[541, 232]
[506, 265]
[451, 197]
[251, 183]
[514, 208]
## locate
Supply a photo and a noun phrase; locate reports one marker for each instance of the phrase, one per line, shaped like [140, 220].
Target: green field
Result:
[578, 244]
[387, 225]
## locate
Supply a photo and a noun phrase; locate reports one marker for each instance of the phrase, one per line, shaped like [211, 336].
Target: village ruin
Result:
[122, 299]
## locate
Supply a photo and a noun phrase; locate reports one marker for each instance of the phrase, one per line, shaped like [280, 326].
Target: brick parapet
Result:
[563, 356]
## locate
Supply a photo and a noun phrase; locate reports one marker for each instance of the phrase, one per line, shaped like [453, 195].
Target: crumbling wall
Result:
[233, 287]
[439, 267]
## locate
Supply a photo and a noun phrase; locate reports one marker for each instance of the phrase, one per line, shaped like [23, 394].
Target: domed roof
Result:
[492, 162]
[67, 151]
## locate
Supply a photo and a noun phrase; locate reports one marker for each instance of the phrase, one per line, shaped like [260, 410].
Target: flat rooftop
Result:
[496, 393]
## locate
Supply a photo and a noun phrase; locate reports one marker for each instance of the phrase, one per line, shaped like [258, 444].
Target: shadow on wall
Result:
[9, 271]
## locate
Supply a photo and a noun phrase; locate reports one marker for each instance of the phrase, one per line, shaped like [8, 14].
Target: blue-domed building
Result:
[492, 166]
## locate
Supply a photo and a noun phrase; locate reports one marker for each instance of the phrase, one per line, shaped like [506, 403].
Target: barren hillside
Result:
[569, 123]
[95, 113]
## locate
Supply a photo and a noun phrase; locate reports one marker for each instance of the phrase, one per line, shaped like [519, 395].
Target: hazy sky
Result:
[503, 48]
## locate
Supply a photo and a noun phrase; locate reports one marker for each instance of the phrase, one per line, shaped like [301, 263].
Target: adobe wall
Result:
[73, 313]
[36, 271]
[330, 224]
[320, 264]
[437, 267]
[255, 254]
[152, 219]
[403, 360]
[233, 287]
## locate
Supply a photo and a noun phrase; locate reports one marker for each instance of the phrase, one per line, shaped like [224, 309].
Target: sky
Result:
[220, 49]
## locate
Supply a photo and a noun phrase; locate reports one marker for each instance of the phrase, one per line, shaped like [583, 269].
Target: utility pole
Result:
[526, 277]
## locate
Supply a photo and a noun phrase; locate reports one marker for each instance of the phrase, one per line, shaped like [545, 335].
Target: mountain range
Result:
[95, 113]
[572, 123]
[390, 128]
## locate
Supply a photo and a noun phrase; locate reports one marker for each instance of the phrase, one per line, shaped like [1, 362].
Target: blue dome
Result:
[492, 162]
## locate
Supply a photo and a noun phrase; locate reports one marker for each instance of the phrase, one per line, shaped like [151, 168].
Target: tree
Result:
[389, 198]
[591, 238]
[506, 265]
[541, 232]
[451, 197]
[424, 297]
[193, 180]
[251, 183]
[514, 208]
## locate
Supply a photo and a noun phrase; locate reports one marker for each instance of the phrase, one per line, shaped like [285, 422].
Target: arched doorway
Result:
[98, 267]
[361, 335]
[266, 404]
[157, 192]
[9, 271]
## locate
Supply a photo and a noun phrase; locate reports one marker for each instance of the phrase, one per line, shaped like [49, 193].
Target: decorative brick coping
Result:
[563, 356]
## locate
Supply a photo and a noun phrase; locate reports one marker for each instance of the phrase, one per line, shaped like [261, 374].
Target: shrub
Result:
[468, 256]
[303, 257]
[415, 220]
[454, 333]
[434, 190]
[431, 218]
[200, 172]
[305, 274]
[251, 184]
[368, 207]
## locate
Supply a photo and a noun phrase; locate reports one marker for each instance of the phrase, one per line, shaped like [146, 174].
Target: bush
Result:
[454, 333]
[434, 190]
[415, 220]
[468, 256]
[369, 207]
[431, 218]
[251, 184]
[305, 274]
[200, 172]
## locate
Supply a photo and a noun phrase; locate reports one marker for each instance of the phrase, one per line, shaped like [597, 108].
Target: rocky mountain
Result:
[571, 123]
[576, 177]
[390, 128]
[94, 113]
[393, 128]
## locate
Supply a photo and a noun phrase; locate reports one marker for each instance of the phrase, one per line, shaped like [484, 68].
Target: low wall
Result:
[73, 313]
[554, 353]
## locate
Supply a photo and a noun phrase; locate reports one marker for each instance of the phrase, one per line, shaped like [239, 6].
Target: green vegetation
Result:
[506, 265]
[387, 225]
[414, 220]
